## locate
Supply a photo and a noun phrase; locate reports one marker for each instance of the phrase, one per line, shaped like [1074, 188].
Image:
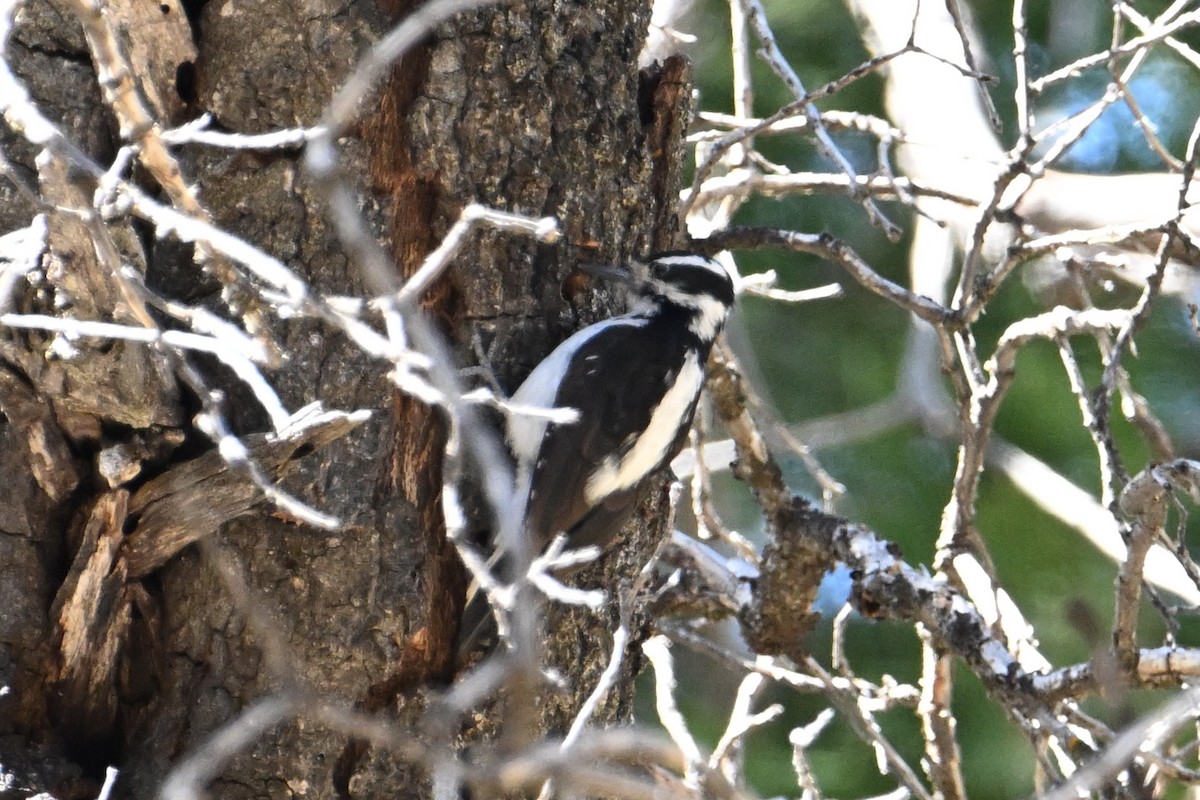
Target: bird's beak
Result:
[610, 272]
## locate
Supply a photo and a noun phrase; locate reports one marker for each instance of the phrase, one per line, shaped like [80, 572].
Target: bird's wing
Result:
[616, 383]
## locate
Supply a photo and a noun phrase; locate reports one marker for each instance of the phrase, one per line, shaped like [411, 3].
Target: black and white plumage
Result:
[634, 381]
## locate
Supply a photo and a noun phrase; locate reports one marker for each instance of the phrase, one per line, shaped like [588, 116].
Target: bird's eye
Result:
[658, 270]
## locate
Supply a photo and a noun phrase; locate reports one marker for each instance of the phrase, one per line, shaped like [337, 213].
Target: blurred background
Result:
[812, 360]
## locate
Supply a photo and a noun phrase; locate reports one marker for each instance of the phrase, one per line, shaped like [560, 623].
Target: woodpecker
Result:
[633, 381]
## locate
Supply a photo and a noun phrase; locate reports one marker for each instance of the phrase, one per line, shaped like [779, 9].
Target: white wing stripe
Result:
[651, 448]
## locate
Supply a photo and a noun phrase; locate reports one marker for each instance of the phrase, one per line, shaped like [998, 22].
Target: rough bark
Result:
[113, 659]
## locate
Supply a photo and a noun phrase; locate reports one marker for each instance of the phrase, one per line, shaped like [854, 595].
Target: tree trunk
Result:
[113, 658]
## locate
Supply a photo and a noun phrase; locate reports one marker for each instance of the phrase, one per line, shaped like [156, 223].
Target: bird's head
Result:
[690, 281]
[696, 284]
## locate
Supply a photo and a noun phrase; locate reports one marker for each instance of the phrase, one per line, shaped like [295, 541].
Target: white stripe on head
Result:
[695, 282]
[693, 272]
[694, 260]
[711, 317]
